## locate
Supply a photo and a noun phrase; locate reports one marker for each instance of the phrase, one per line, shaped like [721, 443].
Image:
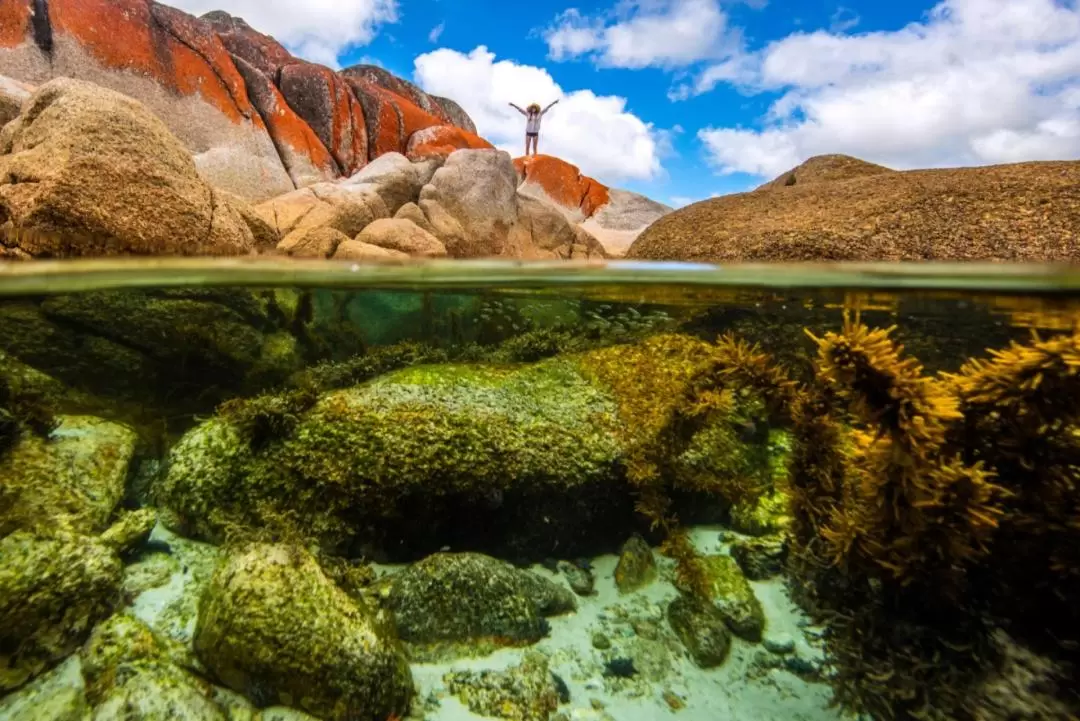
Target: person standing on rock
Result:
[532, 123]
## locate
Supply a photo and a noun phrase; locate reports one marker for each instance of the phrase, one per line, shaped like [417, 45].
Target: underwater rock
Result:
[469, 600]
[72, 480]
[701, 628]
[273, 627]
[130, 530]
[731, 594]
[59, 695]
[581, 579]
[1024, 686]
[780, 644]
[410, 459]
[52, 592]
[636, 568]
[525, 692]
[761, 558]
[762, 515]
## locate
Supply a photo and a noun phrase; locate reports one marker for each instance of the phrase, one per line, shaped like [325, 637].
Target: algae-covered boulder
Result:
[73, 479]
[730, 593]
[411, 458]
[636, 567]
[52, 592]
[525, 692]
[58, 695]
[130, 674]
[761, 558]
[467, 600]
[762, 515]
[701, 628]
[273, 627]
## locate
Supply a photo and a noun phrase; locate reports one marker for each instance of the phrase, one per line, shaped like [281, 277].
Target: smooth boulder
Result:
[404, 236]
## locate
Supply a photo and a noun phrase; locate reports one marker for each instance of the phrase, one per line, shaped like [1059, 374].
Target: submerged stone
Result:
[762, 515]
[701, 628]
[471, 603]
[72, 480]
[58, 695]
[52, 592]
[761, 558]
[525, 692]
[273, 627]
[730, 593]
[636, 568]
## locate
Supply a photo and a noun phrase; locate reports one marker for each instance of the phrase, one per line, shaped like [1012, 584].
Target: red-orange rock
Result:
[441, 140]
[262, 52]
[391, 118]
[326, 102]
[563, 183]
[157, 42]
[14, 22]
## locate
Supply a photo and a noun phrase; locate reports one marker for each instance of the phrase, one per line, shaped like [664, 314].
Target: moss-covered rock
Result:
[52, 592]
[468, 603]
[701, 628]
[410, 458]
[761, 558]
[71, 480]
[525, 692]
[130, 530]
[636, 568]
[731, 594]
[762, 515]
[58, 695]
[273, 627]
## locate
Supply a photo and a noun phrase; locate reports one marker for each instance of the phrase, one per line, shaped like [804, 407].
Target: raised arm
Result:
[548, 107]
[518, 109]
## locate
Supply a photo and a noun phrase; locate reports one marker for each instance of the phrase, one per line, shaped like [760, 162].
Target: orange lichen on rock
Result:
[563, 183]
[156, 42]
[323, 99]
[14, 23]
[441, 140]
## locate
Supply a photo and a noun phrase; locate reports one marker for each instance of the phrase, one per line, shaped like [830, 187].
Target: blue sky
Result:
[685, 99]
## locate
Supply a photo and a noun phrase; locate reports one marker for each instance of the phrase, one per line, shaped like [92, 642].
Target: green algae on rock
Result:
[273, 627]
[453, 604]
[701, 628]
[433, 438]
[636, 568]
[59, 695]
[52, 592]
[525, 692]
[761, 558]
[762, 515]
[731, 594]
[72, 480]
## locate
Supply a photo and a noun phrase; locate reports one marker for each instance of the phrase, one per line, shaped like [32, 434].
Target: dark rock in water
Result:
[1025, 686]
[620, 668]
[731, 595]
[561, 687]
[470, 598]
[637, 567]
[761, 558]
[528, 691]
[580, 579]
[271, 623]
[803, 667]
[701, 628]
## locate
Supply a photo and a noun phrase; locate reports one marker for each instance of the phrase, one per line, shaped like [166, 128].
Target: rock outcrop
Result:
[88, 171]
[841, 209]
[614, 217]
[258, 121]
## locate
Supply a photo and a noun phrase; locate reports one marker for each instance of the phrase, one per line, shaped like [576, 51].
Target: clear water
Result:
[465, 490]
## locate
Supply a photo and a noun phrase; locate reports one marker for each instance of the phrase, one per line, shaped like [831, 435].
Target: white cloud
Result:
[644, 33]
[596, 133]
[975, 82]
[681, 201]
[436, 32]
[316, 30]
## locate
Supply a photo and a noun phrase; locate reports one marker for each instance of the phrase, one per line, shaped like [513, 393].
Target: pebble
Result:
[580, 579]
[596, 704]
[645, 629]
[779, 644]
[600, 641]
[801, 666]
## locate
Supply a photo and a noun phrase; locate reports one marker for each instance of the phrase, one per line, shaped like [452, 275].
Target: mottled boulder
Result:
[87, 171]
[443, 109]
[364, 252]
[701, 628]
[345, 208]
[732, 596]
[397, 180]
[316, 242]
[168, 60]
[761, 558]
[52, 592]
[478, 189]
[413, 212]
[441, 141]
[550, 234]
[526, 691]
[472, 600]
[636, 568]
[326, 102]
[12, 95]
[561, 184]
[73, 480]
[273, 627]
[404, 236]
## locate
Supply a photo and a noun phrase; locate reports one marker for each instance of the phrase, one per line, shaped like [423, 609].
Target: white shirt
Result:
[532, 122]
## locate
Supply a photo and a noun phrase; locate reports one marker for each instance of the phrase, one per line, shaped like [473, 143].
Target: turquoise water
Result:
[243, 487]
